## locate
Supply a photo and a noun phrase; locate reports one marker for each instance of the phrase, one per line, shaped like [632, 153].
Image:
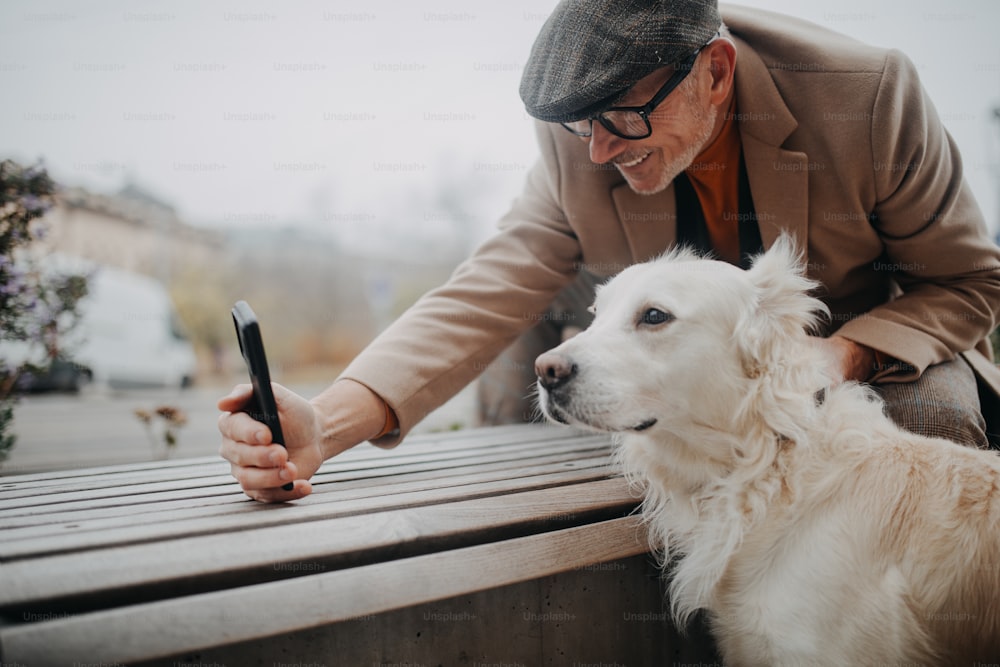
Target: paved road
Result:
[99, 427]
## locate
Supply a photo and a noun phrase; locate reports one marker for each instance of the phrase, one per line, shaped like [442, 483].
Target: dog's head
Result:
[683, 340]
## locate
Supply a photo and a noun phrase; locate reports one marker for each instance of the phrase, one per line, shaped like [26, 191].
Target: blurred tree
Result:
[38, 301]
[203, 296]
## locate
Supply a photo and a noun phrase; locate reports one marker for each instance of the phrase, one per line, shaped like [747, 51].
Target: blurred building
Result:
[131, 230]
[319, 303]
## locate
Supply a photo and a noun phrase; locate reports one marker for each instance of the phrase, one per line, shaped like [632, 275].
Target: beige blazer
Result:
[843, 150]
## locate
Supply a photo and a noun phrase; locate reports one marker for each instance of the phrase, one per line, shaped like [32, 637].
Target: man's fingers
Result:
[241, 427]
[236, 399]
[251, 477]
[301, 489]
[262, 471]
[254, 456]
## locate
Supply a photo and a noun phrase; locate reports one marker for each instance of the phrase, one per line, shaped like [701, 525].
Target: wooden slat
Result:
[79, 517]
[10, 482]
[264, 516]
[211, 490]
[113, 478]
[415, 445]
[329, 490]
[189, 624]
[334, 479]
[200, 479]
[358, 458]
[472, 437]
[369, 537]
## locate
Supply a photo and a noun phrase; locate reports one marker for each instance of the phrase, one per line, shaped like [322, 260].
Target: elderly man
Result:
[659, 124]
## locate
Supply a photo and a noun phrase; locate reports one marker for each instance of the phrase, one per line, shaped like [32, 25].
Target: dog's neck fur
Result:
[708, 480]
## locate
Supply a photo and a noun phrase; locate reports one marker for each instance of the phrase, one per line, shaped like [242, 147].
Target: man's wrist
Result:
[349, 413]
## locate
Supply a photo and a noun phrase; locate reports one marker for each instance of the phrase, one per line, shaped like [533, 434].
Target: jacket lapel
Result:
[779, 178]
[649, 221]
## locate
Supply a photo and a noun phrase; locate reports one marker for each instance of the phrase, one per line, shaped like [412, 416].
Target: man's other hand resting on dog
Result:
[847, 360]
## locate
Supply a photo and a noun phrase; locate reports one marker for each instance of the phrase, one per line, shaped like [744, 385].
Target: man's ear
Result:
[721, 55]
[783, 308]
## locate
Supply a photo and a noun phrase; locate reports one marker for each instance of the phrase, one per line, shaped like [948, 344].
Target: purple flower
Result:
[33, 204]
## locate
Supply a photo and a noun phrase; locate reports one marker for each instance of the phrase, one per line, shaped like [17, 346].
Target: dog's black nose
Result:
[554, 369]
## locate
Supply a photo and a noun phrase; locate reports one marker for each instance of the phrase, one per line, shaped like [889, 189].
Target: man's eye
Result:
[654, 316]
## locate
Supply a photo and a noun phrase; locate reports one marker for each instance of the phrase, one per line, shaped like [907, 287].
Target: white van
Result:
[128, 335]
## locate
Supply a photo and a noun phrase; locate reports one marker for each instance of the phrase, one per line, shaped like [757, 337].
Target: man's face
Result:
[683, 124]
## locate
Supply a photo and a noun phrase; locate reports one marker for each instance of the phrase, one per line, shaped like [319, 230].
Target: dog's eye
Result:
[654, 316]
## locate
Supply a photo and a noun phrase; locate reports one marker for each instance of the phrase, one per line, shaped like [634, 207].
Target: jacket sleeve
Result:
[935, 239]
[452, 333]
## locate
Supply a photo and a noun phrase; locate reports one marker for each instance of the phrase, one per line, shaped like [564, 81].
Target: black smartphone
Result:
[262, 405]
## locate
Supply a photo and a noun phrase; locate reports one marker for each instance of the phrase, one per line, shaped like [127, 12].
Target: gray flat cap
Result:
[590, 52]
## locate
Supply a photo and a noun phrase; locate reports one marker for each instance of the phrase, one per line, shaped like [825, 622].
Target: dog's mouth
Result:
[557, 413]
[553, 412]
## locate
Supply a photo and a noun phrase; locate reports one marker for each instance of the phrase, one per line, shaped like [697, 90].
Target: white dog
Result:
[811, 529]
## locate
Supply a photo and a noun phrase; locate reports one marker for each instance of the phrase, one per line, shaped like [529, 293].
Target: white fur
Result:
[813, 532]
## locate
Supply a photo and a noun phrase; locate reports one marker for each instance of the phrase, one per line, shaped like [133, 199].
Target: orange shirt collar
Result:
[725, 148]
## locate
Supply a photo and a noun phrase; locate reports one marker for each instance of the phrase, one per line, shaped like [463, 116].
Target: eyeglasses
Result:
[633, 122]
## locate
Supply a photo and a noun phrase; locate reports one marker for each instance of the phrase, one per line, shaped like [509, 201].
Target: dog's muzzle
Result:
[554, 373]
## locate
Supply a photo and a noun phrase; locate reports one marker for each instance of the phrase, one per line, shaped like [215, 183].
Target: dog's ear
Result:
[783, 289]
[783, 307]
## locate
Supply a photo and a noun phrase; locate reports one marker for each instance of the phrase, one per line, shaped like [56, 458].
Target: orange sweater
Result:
[714, 175]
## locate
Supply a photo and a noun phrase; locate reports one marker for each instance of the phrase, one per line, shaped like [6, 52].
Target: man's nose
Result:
[604, 146]
[554, 369]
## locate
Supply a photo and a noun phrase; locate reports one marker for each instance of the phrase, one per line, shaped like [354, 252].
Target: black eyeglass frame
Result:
[683, 69]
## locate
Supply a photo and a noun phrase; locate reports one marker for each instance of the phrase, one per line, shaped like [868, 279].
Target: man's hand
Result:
[344, 415]
[263, 467]
[846, 359]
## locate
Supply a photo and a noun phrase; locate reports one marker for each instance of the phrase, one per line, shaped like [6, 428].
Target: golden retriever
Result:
[809, 527]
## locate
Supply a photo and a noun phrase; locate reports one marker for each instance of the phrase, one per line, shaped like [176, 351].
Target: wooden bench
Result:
[504, 546]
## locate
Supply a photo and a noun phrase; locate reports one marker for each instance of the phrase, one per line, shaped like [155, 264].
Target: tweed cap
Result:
[590, 52]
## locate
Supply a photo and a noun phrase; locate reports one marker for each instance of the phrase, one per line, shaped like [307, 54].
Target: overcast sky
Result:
[360, 118]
